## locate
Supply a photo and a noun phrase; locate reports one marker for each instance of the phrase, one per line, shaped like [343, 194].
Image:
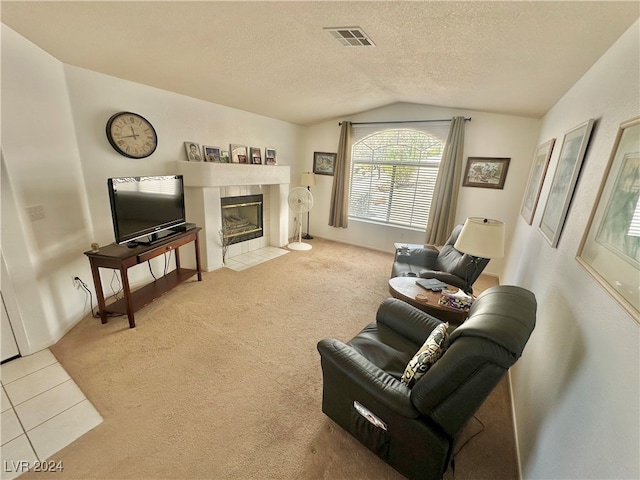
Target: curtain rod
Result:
[468, 119]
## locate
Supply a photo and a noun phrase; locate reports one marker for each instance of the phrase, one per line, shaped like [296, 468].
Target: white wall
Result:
[41, 166]
[55, 154]
[486, 135]
[176, 118]
[577, 387]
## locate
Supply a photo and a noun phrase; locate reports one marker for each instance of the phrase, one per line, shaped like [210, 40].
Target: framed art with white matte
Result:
[574, 147]
[536, 177]
[610, 247]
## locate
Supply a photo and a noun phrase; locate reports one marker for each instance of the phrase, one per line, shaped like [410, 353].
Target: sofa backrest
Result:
[480, 352]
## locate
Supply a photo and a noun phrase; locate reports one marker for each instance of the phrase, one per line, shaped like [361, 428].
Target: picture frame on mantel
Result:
[486, 172]
[211, 154]
[192, 150]
[536, 178]
[238, 153]
[574, 147]
[270, 157]
[610, 246]
[256, 155]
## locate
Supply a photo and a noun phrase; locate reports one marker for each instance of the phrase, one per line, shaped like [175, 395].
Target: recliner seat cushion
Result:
[384, 348]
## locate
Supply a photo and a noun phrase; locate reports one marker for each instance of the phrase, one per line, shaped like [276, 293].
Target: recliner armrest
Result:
[406, 320]
[375, 382]
[424, 257]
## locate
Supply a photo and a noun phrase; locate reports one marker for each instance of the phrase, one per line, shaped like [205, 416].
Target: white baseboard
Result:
[515, 428]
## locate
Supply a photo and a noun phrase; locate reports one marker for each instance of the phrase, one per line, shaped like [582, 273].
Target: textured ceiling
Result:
[276, 59]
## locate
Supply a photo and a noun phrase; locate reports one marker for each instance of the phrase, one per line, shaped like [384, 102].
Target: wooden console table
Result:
[121, 257]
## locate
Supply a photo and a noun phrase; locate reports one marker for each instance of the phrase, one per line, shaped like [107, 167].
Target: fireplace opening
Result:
[241, 218]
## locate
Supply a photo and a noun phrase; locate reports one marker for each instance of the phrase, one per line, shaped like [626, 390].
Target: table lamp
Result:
[480, 238]
[308, 180]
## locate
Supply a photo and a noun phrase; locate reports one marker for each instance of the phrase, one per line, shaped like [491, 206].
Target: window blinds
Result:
[393, 172]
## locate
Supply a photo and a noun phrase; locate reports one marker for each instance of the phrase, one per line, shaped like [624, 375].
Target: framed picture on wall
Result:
[536, 177]
[486, 172]
[574, 146]
[224, 156]
[324, 163]
[610, 247]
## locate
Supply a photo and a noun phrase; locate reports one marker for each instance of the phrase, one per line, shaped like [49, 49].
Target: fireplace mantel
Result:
[207, 174]
[204, 183]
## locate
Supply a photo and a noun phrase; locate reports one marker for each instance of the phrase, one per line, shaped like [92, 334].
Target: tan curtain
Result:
[445, 196]
[339, 210]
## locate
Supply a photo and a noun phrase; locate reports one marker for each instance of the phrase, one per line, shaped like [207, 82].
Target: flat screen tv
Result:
[143, 207]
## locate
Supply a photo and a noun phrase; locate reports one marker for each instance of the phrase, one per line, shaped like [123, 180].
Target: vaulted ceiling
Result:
[277, 59]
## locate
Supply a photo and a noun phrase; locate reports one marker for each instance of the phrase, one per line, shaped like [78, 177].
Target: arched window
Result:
[393, 173]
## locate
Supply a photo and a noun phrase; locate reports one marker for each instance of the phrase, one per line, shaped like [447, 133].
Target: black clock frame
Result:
[115, 146]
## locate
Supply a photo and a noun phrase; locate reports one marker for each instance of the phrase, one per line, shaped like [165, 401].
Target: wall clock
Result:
[131, 135]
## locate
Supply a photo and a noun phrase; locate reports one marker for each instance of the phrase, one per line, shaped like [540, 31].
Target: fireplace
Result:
[241, 218]
[207, 183]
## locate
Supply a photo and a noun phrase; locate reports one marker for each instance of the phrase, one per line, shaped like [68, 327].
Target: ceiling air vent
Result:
[351, 36]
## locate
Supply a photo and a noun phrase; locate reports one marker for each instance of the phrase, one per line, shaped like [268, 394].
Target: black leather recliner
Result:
[421, 424]
[447, 264]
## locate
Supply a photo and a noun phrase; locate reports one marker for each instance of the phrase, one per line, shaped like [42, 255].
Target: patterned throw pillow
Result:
[430, 351]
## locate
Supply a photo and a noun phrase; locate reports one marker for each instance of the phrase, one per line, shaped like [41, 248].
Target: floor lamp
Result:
[480, 238]
[308, 180]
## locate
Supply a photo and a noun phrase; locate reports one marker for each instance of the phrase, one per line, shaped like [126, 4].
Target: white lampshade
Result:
[481, 237]
[308, 179]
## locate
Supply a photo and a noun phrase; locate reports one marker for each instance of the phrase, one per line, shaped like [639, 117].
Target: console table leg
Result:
[102, 307]
[197, 247]
[127, 296]
[176, 252]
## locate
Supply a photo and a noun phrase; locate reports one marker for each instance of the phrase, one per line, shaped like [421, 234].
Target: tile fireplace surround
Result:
[206, 183]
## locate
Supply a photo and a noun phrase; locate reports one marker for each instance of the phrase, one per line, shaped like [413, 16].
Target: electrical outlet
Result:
[75, 280]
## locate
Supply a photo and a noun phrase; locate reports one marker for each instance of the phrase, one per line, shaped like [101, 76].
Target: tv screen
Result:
[144, 206]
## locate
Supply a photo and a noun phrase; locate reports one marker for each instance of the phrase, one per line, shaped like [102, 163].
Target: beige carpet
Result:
[222, 379]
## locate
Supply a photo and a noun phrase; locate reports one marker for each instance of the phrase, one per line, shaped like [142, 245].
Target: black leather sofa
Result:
[422, 423]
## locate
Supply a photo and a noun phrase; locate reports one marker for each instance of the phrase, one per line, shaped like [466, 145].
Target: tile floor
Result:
[250, 259]
[43, 411]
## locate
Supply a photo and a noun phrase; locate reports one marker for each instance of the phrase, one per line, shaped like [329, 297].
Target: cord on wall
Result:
[86, 288]
[115, 277]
